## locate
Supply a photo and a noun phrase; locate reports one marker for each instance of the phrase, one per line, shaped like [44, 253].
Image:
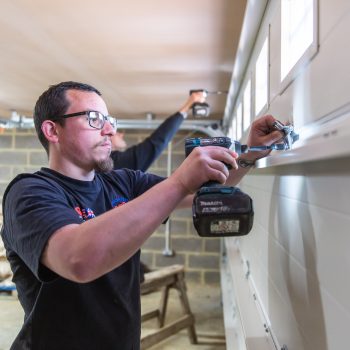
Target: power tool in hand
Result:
[202, 109]
[219, 210]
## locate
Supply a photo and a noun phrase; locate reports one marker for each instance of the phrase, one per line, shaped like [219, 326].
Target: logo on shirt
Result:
[85, 213]
[117, 202]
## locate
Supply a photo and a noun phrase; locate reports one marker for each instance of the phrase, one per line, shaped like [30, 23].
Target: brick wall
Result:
[20, 151]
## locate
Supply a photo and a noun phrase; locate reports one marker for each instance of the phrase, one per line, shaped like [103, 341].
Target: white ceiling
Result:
[143, 55]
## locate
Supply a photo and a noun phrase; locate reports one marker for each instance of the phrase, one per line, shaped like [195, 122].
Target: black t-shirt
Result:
[142, 155]
[61, 314]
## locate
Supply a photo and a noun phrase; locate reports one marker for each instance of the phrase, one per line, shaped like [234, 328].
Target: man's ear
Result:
[49, 129]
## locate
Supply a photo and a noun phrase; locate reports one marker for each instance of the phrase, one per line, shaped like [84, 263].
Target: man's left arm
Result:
[142, 155]
[262, 133]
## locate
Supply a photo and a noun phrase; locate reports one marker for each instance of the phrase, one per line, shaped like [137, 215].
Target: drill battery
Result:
[220, 211]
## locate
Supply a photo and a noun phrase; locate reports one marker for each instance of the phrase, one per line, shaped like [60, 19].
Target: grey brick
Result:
[13, 157]
[27, 141]
[38, 158]
[162, 161]
[147, 258]
[160, 230]
[162, 260]
[212, 245]
[24, 131]
[158, 172]
[176, 160]
[154, 243]
[178, 145]
[193, 276]
[153, 168]
[5, 173]
[5, 141]
[211, 277]
[138, 132]
[204, 261]
[192, 230]
[182, 213]
[187, 244]
[178, 226]
[7, 132]
[131, 139]
[3, 188]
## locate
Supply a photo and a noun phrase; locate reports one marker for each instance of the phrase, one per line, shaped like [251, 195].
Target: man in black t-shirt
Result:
[73, 231]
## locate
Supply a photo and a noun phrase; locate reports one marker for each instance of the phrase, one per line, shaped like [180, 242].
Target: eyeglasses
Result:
[96, 119]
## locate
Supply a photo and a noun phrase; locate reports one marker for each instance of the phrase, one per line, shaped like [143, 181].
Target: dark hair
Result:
[53, 103]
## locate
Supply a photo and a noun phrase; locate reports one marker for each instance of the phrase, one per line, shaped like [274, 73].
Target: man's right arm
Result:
[85, 252]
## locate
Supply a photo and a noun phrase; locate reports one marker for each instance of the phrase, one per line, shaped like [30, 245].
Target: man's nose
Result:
[108, 129]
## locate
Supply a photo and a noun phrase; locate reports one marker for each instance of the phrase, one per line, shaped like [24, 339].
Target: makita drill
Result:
[220, 210]
[227, 211]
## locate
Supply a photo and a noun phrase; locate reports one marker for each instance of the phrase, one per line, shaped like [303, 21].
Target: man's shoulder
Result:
[25, 177]
[38, 176]
[27, 181]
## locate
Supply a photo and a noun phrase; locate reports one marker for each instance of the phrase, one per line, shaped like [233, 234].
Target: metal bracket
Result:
[288, 130]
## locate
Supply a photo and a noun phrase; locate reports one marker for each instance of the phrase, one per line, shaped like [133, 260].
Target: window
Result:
[261, 79]
[233, 128]
[230, 132]
[246, 106]
[239, 122]
[298, 33]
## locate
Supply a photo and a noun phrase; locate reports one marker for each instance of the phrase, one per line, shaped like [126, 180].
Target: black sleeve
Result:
[139, 181]
[142, 155]
[33, 210]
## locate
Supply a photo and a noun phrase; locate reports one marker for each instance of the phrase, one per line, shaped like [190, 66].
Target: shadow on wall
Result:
[290, 226]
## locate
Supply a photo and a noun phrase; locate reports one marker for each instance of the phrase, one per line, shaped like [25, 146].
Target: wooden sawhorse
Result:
[166, 278]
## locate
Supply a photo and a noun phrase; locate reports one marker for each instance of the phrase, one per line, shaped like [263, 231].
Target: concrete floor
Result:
[205, 302]
[11, 318]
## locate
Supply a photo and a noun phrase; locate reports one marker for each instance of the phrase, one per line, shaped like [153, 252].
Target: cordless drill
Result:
[226, 211]
[219, 210]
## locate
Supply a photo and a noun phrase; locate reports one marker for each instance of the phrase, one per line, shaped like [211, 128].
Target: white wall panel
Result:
[297, 253]
[324, 184]
[337, 322]
[331, 14]
[333, 258]
[295, 248]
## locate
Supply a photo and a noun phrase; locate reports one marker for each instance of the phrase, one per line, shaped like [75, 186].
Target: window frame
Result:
[264, 107]
[239, 120]
[247, 88]
[306, 57]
